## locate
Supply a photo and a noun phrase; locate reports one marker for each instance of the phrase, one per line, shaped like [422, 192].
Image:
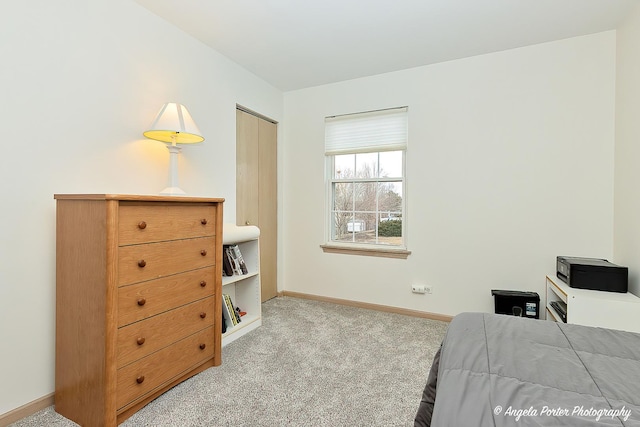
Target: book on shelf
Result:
[226, 315]
[226, 263]
[224, 322]
[238, 256]
[235, 311]
[230, 310]
[233, 262]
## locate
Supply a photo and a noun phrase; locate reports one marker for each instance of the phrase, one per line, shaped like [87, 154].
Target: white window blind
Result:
[382, 130]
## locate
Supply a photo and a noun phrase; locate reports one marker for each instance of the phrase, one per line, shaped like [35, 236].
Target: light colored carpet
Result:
[310, 364]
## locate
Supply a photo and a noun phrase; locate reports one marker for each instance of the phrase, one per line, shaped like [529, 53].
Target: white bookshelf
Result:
[244, 290]
[587, 307]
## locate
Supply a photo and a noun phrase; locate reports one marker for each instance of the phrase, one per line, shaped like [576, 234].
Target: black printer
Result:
[592, 273]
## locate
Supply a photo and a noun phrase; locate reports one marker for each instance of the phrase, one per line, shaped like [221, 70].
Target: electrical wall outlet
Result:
[418, 289]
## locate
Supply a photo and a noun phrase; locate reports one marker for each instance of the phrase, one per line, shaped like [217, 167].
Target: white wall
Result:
[510, 163]
[627, 155]
[80, 82]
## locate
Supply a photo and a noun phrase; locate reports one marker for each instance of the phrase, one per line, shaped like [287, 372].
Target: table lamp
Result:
[174, 125]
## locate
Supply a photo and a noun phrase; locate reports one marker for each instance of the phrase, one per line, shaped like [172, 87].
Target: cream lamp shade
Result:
[174, 125]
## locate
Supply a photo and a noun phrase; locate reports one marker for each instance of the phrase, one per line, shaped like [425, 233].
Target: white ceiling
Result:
[294, 44]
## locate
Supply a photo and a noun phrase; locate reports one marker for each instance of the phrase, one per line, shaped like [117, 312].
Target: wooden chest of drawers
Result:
[138, 308]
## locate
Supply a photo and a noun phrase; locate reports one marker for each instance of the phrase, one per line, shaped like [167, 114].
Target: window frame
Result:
[359, 248]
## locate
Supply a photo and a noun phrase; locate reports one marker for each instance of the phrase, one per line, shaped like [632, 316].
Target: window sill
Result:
[356, 250]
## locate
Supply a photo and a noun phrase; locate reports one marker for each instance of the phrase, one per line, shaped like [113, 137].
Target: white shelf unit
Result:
[244, 290]
[612, 310]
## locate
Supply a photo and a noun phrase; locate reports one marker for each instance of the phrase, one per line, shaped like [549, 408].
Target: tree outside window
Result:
[367, 205]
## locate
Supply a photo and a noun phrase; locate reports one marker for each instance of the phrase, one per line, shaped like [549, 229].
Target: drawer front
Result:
[144, 223]
[143, 338]
[147, 374]
[146, 299]
[138, 263]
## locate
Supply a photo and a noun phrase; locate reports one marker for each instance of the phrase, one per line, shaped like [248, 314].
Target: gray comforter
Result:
[497, 370]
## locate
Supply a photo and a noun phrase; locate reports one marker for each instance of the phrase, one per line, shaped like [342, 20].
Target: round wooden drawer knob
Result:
[203, 346]
[142, 225]
[142, 263]
[141, 301]
[203, 315]
[203, 221]
[203, 283]
[140, 379]
[140, 340]
[203, 252]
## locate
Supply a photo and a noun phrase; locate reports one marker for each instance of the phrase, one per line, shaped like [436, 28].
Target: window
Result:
[365, 156]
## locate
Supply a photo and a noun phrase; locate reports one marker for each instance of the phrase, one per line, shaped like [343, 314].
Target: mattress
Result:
[498, 370]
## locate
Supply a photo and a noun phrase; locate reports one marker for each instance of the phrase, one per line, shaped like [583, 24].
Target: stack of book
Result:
[232, 261]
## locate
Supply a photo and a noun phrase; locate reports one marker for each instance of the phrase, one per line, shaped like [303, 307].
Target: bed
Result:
[498, 370]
